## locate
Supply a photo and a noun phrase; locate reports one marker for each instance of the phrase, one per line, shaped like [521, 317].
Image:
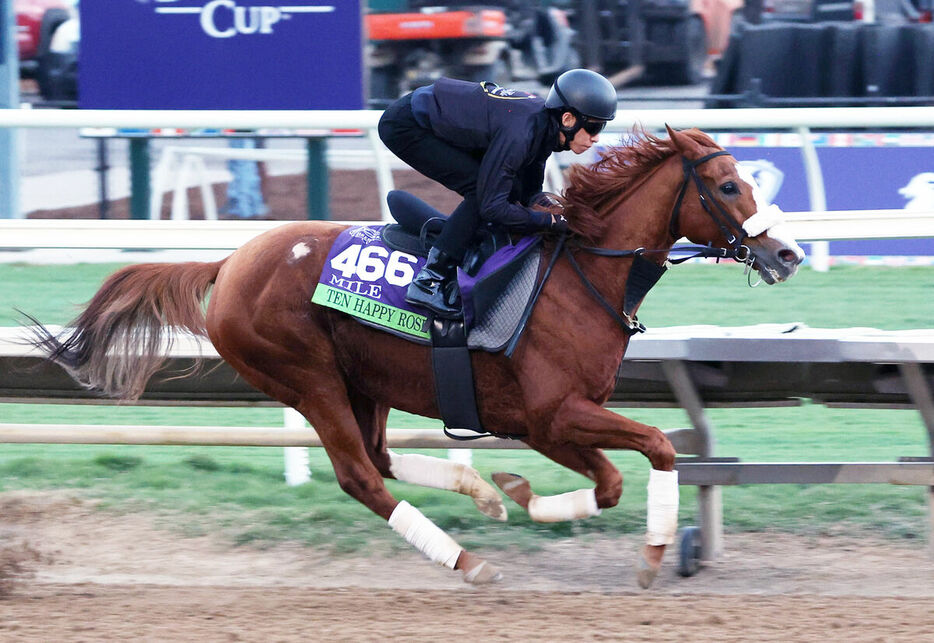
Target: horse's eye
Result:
[729, 188]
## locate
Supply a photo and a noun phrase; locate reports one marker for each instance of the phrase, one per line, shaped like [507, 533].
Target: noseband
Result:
[732, 231]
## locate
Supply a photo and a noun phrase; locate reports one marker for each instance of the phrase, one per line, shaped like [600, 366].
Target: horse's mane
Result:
[593, 189]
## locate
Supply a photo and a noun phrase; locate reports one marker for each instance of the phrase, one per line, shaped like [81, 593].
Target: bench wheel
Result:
[689, 553]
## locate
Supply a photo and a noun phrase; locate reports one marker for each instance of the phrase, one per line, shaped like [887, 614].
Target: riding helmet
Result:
[584, 92]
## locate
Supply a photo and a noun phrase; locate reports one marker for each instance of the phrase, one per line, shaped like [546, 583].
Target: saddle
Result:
[418, 226]
[483, 284]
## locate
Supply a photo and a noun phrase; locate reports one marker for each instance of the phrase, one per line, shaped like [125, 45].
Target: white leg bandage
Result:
[662, 517]
[424, 535]
[436, 473]
[566, 506]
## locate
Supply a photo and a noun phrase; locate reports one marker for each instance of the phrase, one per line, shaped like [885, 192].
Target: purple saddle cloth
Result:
[367, 279]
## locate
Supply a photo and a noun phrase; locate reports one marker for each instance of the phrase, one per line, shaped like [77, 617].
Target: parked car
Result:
[35, 21]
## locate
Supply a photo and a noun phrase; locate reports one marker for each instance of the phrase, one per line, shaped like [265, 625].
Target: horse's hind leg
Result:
[360, 478]
[302, 372]
[426, 471]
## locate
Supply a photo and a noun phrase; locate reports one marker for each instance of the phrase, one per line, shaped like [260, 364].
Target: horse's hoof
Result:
[645, 572]
[485, 496]
[514, 486]
[491, 506]
[483, 574]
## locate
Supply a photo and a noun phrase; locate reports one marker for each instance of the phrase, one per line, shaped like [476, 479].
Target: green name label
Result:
[372, 311]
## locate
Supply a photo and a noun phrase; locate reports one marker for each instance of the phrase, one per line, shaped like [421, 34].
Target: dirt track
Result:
[106, 577]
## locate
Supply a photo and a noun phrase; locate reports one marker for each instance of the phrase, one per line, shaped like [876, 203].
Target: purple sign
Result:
[856, 178]
[220, 54]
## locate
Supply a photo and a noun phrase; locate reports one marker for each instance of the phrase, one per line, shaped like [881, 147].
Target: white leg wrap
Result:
[424, 535]
[436, 473]
[566, 506]
[662, 518]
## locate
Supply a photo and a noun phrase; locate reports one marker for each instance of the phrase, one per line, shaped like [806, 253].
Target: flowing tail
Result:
[127, 329]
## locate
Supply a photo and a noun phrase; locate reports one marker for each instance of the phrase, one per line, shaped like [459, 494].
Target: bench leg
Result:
[923, 399]
[710, 505]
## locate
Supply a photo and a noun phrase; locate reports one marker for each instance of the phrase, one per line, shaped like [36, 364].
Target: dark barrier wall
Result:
[827, 60]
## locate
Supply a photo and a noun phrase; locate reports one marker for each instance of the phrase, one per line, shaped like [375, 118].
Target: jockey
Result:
[489, 144]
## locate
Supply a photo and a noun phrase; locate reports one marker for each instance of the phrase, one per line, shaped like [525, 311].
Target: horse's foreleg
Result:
[575, 504]
[588, 424]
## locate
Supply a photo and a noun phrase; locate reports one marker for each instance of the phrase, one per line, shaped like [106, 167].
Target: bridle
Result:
[732, 231]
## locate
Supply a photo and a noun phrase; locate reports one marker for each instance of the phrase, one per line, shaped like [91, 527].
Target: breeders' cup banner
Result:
[220, 54]
[861, 171]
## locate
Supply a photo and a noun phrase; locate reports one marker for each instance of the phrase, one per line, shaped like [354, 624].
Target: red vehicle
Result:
[35, 22]
[413, 43]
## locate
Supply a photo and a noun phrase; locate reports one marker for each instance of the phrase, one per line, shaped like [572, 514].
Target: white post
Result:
[383, 173]
[296, 458]
[820, 250]
[462, 456]
[207, 191]
[180, 196]
[160, 182]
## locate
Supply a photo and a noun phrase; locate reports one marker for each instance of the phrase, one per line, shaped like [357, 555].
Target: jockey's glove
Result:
[558, 225]
[548, 222]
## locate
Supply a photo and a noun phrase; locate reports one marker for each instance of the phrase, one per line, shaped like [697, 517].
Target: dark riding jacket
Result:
[509, 130]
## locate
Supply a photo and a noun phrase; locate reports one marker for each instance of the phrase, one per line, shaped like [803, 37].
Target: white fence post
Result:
[296, 458]
[820, 250]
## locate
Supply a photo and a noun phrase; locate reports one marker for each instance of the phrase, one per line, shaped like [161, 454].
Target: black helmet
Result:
[584, 92]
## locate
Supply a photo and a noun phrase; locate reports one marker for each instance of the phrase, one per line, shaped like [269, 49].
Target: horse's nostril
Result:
[788, 256]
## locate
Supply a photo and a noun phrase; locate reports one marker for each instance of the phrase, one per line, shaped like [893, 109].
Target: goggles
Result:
[592, 127]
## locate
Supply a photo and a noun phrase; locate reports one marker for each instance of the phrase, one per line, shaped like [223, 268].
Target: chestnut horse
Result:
[344, 376]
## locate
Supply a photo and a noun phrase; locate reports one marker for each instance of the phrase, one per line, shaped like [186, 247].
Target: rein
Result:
[630, 324]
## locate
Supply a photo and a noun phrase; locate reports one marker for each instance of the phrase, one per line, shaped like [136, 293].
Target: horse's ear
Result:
[682, 142]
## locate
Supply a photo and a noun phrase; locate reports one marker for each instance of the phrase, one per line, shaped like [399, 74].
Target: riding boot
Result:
[435, 286]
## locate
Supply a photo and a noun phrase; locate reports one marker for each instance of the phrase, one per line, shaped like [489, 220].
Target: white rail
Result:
[320, 122]
[238, 436]
[229, 235]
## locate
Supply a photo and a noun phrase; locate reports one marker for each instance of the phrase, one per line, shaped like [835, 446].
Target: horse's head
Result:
[721, 203]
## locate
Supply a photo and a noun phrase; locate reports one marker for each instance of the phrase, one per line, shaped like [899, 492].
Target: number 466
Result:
[371, 263]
